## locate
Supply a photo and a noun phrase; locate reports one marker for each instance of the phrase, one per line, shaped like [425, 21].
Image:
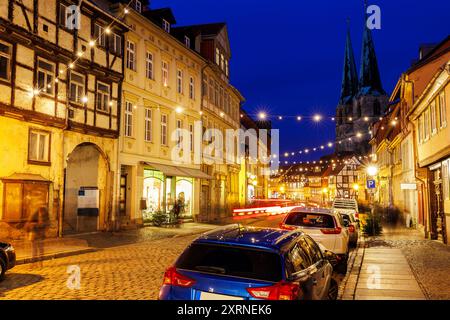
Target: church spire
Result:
[370, 80]
[349, 76]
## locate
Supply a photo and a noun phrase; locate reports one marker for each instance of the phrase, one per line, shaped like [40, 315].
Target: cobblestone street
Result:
[123, 272]
[128, 266]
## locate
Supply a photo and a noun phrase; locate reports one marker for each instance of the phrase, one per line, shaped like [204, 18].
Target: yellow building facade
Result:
[161, 95]
[59, 100]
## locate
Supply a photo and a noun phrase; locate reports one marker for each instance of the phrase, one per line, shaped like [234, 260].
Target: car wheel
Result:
[2, 268]
[333, 291]
[341, 268]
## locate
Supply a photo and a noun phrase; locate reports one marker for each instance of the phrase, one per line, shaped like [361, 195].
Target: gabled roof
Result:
[203, 29]
[439, 49]
[158, 14]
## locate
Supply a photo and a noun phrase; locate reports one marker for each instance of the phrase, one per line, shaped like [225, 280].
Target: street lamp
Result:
[372, 171]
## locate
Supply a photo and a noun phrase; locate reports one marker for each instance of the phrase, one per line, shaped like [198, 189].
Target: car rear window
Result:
[232, 261]
[311, 220]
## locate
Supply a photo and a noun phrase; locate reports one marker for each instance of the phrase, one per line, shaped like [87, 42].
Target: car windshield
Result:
[311, 220]
[232, 261]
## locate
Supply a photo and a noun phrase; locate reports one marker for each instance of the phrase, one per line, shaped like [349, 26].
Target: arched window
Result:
[376, 108]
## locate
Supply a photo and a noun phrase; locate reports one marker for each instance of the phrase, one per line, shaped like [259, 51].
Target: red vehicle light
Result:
[351, 228]
[173, 278]
[280, 291]
[286, 227]
[357, 215]
[331, 231]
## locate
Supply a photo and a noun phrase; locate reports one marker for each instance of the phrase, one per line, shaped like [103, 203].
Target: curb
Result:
[347, 288]
[52, 256]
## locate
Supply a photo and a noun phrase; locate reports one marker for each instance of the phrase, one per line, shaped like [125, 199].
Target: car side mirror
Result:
[331, 257]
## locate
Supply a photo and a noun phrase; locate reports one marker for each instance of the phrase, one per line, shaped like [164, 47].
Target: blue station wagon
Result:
[247, 263]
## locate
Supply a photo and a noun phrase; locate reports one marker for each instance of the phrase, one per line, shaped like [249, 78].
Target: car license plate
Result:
[214, 296]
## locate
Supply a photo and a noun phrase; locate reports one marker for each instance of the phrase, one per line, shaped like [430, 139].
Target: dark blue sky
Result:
[288, 54]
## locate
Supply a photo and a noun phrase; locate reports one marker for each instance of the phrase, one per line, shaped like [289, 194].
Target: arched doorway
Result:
[86, 187]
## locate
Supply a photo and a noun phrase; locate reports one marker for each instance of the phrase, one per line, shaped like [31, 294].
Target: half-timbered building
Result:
[61, 71]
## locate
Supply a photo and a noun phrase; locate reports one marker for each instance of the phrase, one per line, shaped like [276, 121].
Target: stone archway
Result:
[87, 167]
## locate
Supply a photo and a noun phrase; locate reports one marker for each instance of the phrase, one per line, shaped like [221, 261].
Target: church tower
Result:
[349, 90]
[357, 110]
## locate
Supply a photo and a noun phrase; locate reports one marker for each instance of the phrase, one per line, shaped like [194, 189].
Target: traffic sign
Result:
[371, 184]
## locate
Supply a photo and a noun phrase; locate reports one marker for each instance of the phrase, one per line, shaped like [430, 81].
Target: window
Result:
[221, 98]
[137, 5]
[420, 129]
[131, 55]
[426, 125]
[103, 95]
[433, 118]
[191, 88]
[77, 87]
[231, 261]
[211, 91]
[187, 41]
[148, 124]
[46, 77]
[298, 260]
[149, 64]
[5, 61]
[166, 25]
[165, 73]
[179, 133]
[227, 68]
[63, 15]
[39, 146]
[164, 129]
[99, 34]
[216, 97]
[128, 119]
[445, 180]
[442, 111]
[191, 137]
[24, 198]
[115, 44]
[205, 87]
[222, 62]
[180, 81]
[345, 179]
[217, 56]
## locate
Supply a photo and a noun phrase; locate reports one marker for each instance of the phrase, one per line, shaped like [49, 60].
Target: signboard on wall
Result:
[408, 186]
[88, 202]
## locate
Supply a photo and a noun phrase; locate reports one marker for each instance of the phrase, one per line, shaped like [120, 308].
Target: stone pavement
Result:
[383, 272]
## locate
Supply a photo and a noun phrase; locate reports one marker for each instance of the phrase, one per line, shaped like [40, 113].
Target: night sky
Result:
[287, 55]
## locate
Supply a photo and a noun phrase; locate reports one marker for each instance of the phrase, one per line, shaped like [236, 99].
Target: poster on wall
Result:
[88, 202]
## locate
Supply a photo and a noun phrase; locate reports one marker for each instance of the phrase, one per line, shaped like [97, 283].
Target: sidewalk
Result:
[382, 272]
[85, 243]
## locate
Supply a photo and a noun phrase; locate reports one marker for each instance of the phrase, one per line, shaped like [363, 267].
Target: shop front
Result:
[166, 186]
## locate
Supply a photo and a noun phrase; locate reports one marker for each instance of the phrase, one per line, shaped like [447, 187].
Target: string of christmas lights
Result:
[80, 54]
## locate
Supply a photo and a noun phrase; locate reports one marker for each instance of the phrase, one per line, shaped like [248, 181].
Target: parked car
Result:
[248, 263]
[323, 226]
[352, 226]
[347, 206]
[7, 258]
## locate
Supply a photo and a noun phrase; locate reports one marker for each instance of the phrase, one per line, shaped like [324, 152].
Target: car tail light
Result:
[280, 291]
[351, 228]
[331, 231]
[286, 227]
[173, 278]
[357, 215]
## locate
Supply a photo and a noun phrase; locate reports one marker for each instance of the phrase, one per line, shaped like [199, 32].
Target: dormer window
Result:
[166, 25]
[138, 6]
[187, 41]
[217, 56]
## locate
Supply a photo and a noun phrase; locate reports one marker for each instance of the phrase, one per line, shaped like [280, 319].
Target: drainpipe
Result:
[415, 156]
